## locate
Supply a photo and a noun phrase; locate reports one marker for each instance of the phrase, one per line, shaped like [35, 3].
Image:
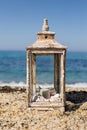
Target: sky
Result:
[20, 20]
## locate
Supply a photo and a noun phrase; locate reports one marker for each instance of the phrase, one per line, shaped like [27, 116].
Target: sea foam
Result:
[13, 84]
[23, 84]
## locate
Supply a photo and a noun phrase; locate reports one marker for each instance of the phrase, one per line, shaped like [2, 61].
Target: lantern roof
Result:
[46, 39]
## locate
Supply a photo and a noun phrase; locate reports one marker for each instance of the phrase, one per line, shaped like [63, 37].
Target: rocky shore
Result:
[15, 116]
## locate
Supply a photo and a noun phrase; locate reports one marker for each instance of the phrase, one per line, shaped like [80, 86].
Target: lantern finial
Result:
[45, 26]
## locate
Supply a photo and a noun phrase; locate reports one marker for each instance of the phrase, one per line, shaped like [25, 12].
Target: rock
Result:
[35, 97]
[45, 93]
[40, 99]
[52, 92]
[54, 98]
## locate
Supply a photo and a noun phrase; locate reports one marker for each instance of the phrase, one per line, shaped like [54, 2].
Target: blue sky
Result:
[20, 20]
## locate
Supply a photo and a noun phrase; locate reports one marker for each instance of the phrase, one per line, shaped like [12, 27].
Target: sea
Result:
[13, 69]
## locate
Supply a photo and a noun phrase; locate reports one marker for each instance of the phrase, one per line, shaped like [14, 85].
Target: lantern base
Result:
[47, 107]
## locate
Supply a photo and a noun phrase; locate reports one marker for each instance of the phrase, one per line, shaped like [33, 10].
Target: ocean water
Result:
[13, 69]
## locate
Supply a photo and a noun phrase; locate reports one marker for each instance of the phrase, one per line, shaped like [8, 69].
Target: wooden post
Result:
[29, 77]
[34, 73]
[57, 72]
[62, 80]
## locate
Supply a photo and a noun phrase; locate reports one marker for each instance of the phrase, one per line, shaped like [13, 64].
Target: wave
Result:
[23, 84]
[12, 84]
[77, 85]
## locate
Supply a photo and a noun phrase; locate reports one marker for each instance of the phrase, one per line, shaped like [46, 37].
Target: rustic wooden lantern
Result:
[46, 45]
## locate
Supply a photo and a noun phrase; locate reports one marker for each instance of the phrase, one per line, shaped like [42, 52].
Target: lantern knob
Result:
[45, 26]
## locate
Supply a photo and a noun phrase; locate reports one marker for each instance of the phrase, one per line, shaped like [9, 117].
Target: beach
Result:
[14, 114]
